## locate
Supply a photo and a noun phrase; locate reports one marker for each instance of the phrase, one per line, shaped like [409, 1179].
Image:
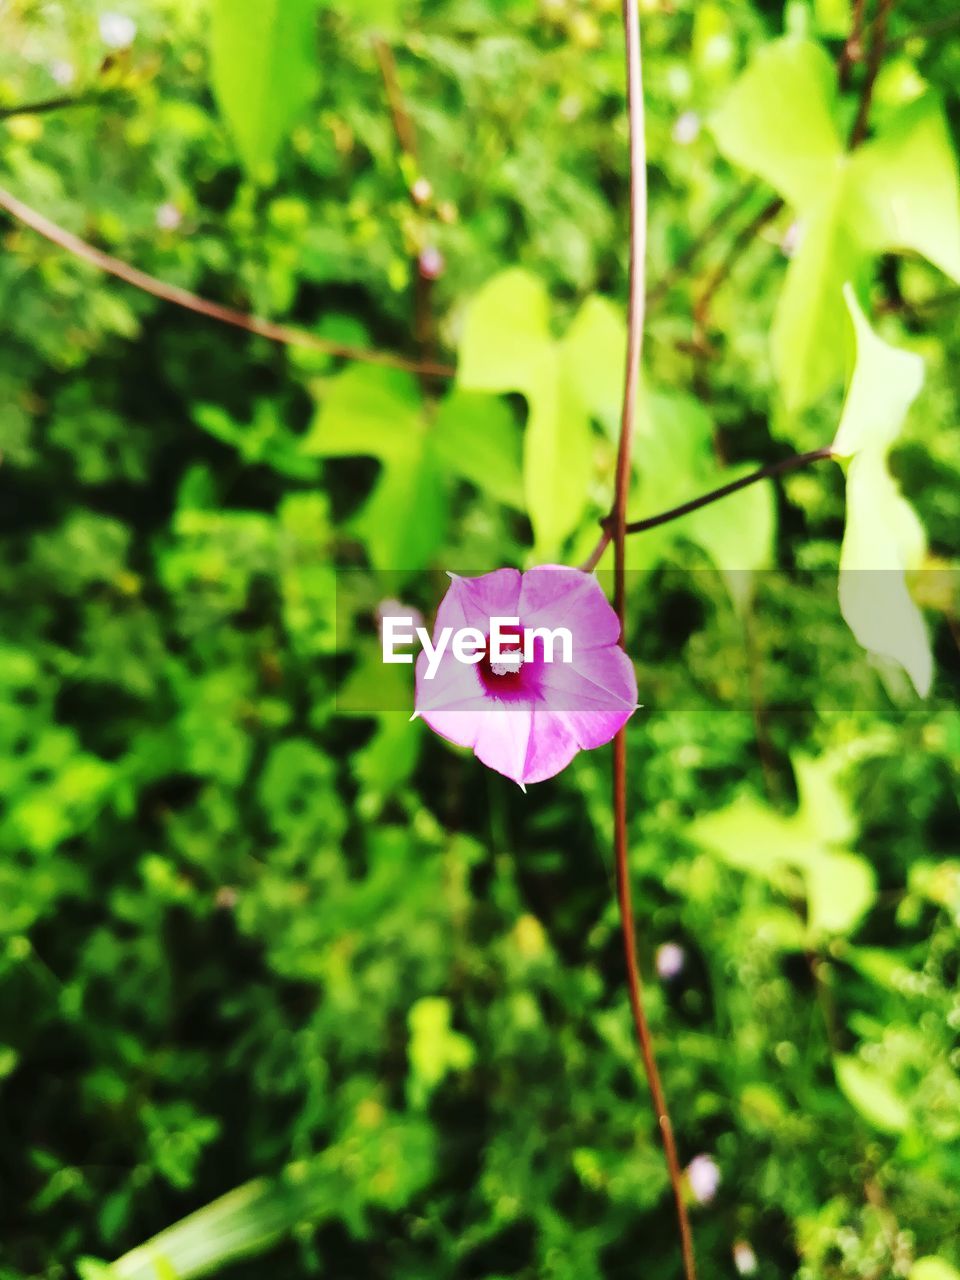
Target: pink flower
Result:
[527, 711]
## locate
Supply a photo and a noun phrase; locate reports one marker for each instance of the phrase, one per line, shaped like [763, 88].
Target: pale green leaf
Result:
[435, 1049]
[777, 121]
[593, 352]
[264, 68]
[403, 521]
[507, 346]
[751, 836]
[475, 436]
[557, 457]
[736, 533]
[931, 1268]
[810, 326]
[885, 382]
[506, 335]
[376, 412]
[882, 539]
[366, 411]
[841, 889]
[871, 1094]
[907, 189]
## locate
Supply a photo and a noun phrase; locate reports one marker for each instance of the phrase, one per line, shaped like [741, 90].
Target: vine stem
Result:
[635, 320]
[768, 472]
[287, 335]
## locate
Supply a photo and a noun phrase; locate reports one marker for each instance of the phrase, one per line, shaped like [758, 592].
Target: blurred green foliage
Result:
[306, 979]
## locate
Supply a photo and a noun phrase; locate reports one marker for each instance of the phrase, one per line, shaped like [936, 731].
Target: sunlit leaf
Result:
[475, 436]
[886, 380]
[883, 537]
[907, 189]
[931, 1268]
[872, 1095]
[777, 120]
[808, 337]
[507, 346]
[264, 67]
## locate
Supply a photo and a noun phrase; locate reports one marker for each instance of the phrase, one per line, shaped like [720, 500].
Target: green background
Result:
[256, 944]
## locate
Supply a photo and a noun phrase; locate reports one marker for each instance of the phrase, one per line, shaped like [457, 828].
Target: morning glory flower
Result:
[525, 705]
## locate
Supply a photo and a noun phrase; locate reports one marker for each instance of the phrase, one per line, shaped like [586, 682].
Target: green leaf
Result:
[777, 121]
[366, 411]
[749, 835]
[883, 537]
[931, 1268]
[841, 889]
[594, 351]
[737, 533]
[376, 412]
[264, 70]
[506, 335]
[809, 333]
[872, 1095]
[906, 188]
[475, 436]
[507, 346]
[885, 383]
[435, 1049]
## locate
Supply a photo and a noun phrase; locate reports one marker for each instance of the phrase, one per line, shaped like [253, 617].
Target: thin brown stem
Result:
[874, 61]
[284, 334]
[696, 246]
[762, 473]
[721, 272]
[402, 124]
[853, 47]
[635, 318]
[65, 101]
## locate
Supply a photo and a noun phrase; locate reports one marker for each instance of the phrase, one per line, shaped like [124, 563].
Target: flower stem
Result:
[635, 319]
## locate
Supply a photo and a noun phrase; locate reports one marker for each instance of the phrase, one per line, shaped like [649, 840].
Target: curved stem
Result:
[676, 513]
[638, 224]
[282, 333]
[762, 473]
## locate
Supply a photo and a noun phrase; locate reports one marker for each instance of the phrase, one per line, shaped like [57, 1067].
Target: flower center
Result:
[511, 660]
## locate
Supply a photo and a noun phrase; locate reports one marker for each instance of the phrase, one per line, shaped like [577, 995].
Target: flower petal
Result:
[477, 600]
[552, 746]
[504, 739]
[555, 595]
[596, 694]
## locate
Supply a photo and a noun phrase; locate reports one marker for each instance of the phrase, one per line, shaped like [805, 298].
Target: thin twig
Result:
[793, 463]
[402, 124]
[95, 98]
[635, 319]
[420, 191]
[874, 62]
[720, 273]
[767, 472]
[284, 334]
[853, 46]
[696, 246]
